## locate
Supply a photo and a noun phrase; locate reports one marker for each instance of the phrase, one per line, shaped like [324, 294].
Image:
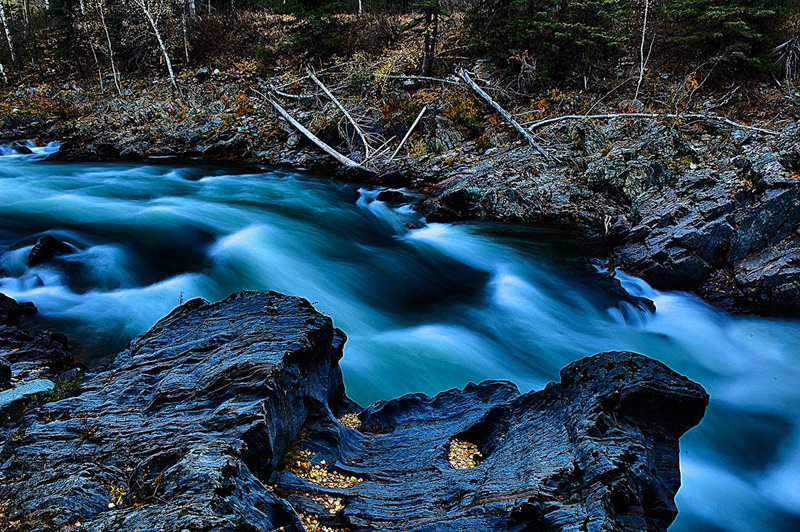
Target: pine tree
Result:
[734, 31]
[578, 34]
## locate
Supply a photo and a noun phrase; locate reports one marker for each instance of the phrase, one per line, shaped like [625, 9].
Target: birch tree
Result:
[7, 30]
[3, 73]
[82, 7]
[642, 58]
[148, 13]
[110, 47]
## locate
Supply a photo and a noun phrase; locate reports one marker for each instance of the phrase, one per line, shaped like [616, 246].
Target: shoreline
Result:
[700, 207]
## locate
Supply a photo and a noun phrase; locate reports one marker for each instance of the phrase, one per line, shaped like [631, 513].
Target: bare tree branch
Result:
[503, 113]
[313, 138]
[343, 110]
[715, 118]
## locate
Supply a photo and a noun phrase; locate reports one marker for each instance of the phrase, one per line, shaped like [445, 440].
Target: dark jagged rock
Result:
[5, 374]
[202, 74]
[605, 277]
[232, 416]
[741, 247]
[46, 249]
[391, 196]
[11, 311]
[573, 456]
[31, 363]
[21, 148]
[86, 149]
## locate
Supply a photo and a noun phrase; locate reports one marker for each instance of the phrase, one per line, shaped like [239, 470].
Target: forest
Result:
[536, 42]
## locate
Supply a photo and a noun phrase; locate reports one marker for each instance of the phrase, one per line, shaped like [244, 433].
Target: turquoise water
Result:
[426, 307]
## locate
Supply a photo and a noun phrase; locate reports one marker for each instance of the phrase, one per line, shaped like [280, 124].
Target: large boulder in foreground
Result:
[232, 416]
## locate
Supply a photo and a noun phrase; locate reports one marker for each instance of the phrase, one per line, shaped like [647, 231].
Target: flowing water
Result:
[426, 308]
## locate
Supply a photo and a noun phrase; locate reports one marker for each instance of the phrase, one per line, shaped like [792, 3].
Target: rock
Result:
[587, 137]
[351, 174]
[768, 278]
[5, 374]
[11, 311]
[17, 398]
[30, 364]
[46, 249]
[391, 196]
[232, 416]
[627, 180]
[202, 74]
[603, 276]
[36, 353]
[21, 148]
[740, 249]
[447, 136]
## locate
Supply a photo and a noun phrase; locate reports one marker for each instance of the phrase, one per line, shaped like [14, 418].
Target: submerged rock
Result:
[46, 249]
[21, 148]
[233, 416]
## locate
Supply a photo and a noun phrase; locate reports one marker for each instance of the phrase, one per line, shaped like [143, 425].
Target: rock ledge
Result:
[232, 416]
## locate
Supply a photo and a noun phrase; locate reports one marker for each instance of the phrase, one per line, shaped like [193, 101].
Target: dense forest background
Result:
[534, 43]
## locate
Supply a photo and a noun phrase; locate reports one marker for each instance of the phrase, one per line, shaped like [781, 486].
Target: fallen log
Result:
[313, 138]
[344, 112]
[408, 133]
[693, 116]
[505, 114]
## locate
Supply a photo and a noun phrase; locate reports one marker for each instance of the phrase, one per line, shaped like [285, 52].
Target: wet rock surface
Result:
[11, 311]
[739, 243]
[715, 212]
[233, 416]
[32, 363]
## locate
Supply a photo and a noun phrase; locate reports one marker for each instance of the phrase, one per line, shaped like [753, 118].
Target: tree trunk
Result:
[642, 60]
[185, 39]
[149, 16]
[192, 6]
[91, 44]
[7, 31]
[425, 68]
[110, 48]
[3, 73]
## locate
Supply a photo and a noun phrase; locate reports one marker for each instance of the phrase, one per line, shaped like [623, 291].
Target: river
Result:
[426, 307]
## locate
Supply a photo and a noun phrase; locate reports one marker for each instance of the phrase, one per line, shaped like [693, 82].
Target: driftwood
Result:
[408, 133]
[510, 119]
[694, 116]
[344, 112]
[313, 138]
[406, 77]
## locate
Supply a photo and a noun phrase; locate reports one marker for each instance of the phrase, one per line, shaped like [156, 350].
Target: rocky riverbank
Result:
[689, 204]
[233, 416]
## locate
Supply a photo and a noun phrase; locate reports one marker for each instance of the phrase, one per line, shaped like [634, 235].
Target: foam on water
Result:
[425, 309]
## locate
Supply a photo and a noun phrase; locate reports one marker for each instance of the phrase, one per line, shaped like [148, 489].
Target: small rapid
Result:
[426, 307]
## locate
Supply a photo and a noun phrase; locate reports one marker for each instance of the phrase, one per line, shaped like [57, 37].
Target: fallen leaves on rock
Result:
[300, 464]
[464, 454]
[351, 421]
